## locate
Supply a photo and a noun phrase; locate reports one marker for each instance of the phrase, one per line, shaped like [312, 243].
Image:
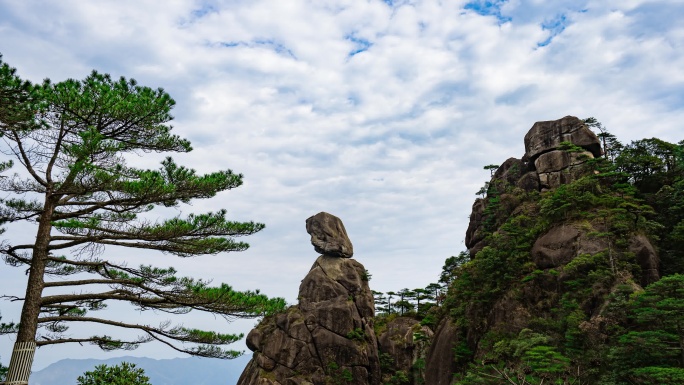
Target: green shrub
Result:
[123, 374]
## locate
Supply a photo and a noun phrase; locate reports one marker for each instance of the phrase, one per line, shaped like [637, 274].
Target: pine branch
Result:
[104, 342]
[162, 334]
[26, 162]
[72, 144]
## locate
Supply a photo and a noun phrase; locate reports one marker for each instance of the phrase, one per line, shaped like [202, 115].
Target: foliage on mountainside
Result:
[590, 320]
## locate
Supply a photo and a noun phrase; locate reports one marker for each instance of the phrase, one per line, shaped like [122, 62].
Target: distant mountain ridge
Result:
[175, 371]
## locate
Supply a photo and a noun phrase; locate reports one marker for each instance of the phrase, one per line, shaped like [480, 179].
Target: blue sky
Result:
[380, 112]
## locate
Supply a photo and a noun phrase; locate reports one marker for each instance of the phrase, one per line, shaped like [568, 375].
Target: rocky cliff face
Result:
[441, 358]
[544, 155]
[403, 346]
[544, 166]
[328, 337]
[559, 246]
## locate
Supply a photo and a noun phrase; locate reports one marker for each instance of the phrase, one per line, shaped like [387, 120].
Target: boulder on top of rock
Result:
[548, 135]
[328, 235]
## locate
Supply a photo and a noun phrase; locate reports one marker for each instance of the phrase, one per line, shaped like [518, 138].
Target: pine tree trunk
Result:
[25, 347]
[20, 363]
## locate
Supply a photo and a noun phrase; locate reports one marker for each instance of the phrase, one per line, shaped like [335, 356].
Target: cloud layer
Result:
[380, 112]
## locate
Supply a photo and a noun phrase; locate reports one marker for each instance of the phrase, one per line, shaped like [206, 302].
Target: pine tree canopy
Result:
[70, 142]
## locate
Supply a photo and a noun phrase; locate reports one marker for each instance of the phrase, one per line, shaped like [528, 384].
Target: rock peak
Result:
[547, 136]
[328, 335]
[328, 235]
[544, 166]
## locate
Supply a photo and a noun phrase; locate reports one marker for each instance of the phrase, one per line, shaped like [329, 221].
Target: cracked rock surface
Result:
[327, 338]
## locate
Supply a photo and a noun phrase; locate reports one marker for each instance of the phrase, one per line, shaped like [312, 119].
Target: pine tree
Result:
[609, 142]
[435, 291]
[123, 374]
[381, 303]
[404, 304]
[654, 350]
[76, 185]
[390, 304]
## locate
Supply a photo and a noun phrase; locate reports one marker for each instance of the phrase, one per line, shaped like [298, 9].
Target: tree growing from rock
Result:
[650, 163]
[435, 290]
[610, 144]
[420, 294]
[448, 274]
[75, 183]
[404, 304]
[390, 295]
[491, 168]
[381, 303]
[483, 190]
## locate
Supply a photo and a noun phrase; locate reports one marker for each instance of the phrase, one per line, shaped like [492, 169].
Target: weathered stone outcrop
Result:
[543, 167]
[475, 231]
[557, 167]
[508, 315]
[586, 257]
[548, 135]
[528, 182]
[558, 247]
[328, 235]
[328, 337]
[441, 358]
[405, 342]
[541, 274]
[562, 244]
[510, 171]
